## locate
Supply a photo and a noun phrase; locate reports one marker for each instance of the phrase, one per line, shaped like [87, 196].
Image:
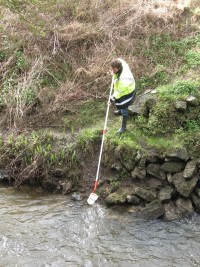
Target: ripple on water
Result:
[51, 230]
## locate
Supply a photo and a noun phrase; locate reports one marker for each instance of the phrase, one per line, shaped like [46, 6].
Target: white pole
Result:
[103, 136]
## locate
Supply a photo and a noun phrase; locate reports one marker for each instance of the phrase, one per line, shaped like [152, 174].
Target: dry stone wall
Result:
[162, 186]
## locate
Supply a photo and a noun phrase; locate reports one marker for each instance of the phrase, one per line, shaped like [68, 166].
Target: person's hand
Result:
[112, 99]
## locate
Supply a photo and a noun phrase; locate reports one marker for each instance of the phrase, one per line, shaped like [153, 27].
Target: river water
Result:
[41, 230]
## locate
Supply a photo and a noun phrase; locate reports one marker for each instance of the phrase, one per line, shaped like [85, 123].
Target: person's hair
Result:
[116, 64]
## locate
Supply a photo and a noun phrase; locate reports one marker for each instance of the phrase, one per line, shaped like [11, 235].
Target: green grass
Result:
[163, 51]
[164, 143]
[179, 89]
[193, 58]
[89, 114]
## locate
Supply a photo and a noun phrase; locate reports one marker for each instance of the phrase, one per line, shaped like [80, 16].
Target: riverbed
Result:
[43, 230]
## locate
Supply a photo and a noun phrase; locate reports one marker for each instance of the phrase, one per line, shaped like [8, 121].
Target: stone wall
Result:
[161, 186]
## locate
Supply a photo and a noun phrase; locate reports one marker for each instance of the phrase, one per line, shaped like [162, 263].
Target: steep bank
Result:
[155, 181]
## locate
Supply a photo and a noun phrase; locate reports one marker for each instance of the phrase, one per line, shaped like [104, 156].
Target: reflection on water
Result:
[40, 230]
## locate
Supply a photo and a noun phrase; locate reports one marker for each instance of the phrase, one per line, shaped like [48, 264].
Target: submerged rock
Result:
[170, 212]
[184, 207]
[66, 187]
[76, 197]
[116, 198]
[196, 202]
[152, 211]
[176, 210]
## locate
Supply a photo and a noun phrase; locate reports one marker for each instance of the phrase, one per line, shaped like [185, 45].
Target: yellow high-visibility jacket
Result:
[125, 83]
[123, 87]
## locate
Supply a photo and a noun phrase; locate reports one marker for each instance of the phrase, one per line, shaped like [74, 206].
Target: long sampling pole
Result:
[103, 137]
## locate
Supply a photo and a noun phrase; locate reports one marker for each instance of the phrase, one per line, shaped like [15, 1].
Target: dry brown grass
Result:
[87, 36]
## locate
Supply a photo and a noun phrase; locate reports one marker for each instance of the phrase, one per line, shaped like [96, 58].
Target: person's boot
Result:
[124, 122]
[117, 112]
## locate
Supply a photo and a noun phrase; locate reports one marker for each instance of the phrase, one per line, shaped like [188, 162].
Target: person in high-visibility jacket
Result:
[123, 89]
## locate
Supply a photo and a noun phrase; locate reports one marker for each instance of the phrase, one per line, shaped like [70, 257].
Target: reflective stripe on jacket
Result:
[125, 101]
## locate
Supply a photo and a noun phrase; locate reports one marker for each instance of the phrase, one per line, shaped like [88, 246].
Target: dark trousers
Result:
[124, 112]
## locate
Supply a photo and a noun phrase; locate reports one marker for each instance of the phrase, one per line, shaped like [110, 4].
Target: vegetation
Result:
[54, 74]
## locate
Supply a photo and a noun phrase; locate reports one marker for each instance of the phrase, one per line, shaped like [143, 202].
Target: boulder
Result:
[155, 170]
[138, 173]
[198, 163]
[170, 212]
[143, 104]
[154, 183]
[142, 162]
[172, 166]
[126, 157]
[169, 178]
[116, 198]
[152, 211]
[192, 101]
[133, 209]
[178, 154]
[181, 105]
[129, 164]
[146, 194]
[165, 194]
[66, 187]
[183, 186]
[184, 207]
[196, 202]
[179, 209]
[197, 191]
[150, 102]
[190, 169]
[151, 158]
[133, 200]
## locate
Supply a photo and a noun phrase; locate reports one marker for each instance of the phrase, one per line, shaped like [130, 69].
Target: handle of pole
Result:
[95, 187]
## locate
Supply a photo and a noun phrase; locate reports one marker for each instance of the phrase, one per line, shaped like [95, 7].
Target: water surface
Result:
[40, 230]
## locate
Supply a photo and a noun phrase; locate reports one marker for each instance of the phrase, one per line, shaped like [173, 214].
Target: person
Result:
[123, 90]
